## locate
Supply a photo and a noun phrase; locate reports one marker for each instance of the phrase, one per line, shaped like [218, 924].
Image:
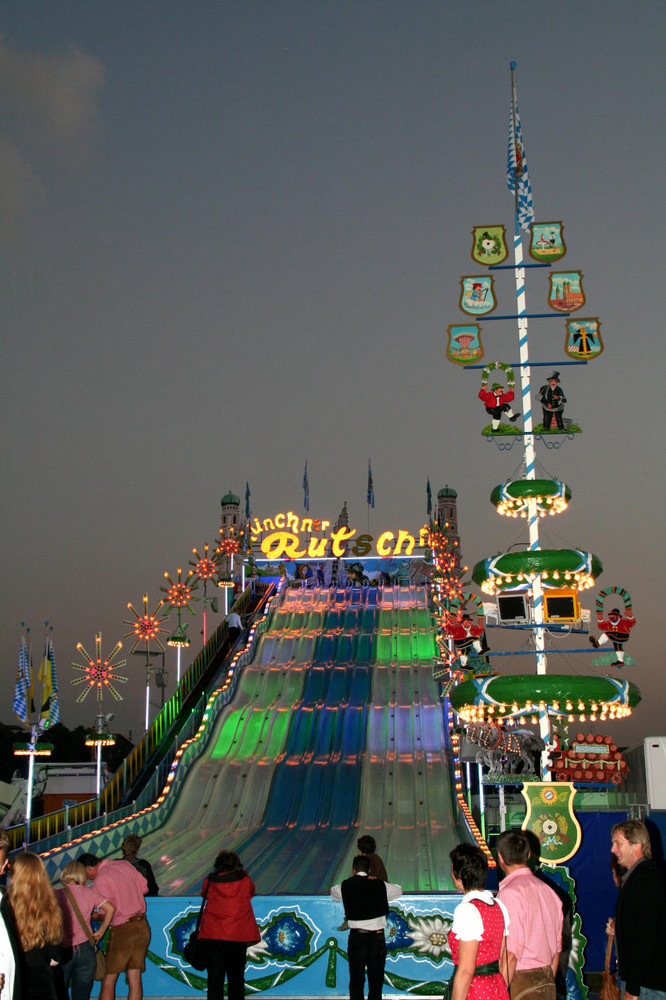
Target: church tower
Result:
[447, 513]
[230, 519]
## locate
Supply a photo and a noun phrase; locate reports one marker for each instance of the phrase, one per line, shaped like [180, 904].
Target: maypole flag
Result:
[50, 712]
[23, 693]
[306, 489]
[247, 501]
[429, 496]
[517, 177]
[371, 488]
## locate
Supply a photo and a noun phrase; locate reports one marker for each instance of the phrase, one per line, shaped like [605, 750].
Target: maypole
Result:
[537, 589]
[518, 182]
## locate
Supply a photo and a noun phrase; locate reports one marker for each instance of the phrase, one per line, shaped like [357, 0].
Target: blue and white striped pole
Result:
[528, 434]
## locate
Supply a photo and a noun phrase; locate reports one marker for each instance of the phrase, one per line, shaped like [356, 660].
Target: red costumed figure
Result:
[465, 636]
[616, 628]
[496, 401]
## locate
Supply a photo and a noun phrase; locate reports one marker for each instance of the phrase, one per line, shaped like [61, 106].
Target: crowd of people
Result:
[504, 947]
[49, 938]
[514, 946]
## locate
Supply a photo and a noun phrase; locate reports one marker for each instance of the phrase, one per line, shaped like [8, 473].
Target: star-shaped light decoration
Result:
[205, 567]
[146, 627]
[179, 594]
[99, 672]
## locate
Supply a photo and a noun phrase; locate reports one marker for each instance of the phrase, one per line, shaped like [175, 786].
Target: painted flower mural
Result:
[429, 935]
[286, 936]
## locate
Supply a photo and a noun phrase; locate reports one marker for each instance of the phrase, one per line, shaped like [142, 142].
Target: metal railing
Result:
[57, 827]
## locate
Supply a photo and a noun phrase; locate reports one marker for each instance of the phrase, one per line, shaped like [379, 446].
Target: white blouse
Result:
[467, 923]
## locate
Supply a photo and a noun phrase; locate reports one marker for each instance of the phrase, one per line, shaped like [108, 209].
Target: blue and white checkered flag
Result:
[23, 689]
[371, 487]
[516, 171]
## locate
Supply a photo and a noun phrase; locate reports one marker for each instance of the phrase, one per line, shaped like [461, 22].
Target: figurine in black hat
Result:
[552, 400]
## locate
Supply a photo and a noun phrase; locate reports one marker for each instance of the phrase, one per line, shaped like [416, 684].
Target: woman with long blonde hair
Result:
[38, 922]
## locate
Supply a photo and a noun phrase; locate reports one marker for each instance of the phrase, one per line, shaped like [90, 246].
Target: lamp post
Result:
[206, 568]
[100, 737]
[229, 546]
[99, 673]
[160, 678]
[179, 594]
[146, 628]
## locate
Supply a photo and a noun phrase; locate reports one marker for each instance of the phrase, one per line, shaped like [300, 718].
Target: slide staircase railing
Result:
[144, 771]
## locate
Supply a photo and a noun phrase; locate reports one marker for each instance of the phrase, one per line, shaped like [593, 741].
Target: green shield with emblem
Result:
[550, 817]
[489, 246]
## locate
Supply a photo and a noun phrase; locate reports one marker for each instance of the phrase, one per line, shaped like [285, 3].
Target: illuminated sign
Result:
[282, 538]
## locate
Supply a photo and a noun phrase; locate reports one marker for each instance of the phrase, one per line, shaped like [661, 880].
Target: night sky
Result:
[231, 239]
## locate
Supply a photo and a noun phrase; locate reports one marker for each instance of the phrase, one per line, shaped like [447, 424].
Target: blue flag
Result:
[23, 691]
[247, 501]
[306, 489]
[429, 496]
[371, 487]
[516, 170]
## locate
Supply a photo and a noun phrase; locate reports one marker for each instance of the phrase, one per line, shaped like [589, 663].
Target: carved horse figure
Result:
[504, 751]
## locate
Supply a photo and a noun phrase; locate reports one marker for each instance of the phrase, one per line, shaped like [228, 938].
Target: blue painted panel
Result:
[301, 953]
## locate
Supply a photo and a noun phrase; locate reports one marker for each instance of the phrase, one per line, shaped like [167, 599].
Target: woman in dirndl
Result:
[478, 934]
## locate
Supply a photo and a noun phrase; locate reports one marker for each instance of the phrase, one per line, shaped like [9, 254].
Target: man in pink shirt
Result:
[535, 933]
[129, 937]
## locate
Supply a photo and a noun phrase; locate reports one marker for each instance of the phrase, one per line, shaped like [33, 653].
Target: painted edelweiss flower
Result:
[430, 936]
[257, 952]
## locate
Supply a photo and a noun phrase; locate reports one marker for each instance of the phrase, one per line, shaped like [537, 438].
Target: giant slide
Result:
[336, 729]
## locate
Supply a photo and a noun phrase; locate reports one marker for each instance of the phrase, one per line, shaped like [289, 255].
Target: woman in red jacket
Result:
[227, 926]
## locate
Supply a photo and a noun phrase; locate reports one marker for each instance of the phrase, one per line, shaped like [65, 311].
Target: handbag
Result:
[609, 988]
[193, 952]
[100, 958]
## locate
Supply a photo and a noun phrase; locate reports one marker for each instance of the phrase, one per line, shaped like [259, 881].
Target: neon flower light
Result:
[180, 593]
[146, 627]
[99, 671]
[205, 567]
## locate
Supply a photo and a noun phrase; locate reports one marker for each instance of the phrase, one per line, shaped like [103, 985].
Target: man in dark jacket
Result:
[640, 914]
[366, 903]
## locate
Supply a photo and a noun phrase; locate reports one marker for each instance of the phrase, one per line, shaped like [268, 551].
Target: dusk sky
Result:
[231, 239]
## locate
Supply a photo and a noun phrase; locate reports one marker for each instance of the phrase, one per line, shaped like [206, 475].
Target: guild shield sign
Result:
[464, 346]
[550, 817]
[489, 246]
[547, 241]
[583, 338]
[566, 291]
[477, 296]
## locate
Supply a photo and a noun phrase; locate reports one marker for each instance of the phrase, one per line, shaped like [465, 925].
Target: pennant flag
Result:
[517, 177]
[50, 711]
[23, 693]
[429, 496]
[247, 501]
[306, 489]
[371, 487]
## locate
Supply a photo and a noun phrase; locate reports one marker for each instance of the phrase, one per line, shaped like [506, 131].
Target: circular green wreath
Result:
[501, 366]
[623, 594]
